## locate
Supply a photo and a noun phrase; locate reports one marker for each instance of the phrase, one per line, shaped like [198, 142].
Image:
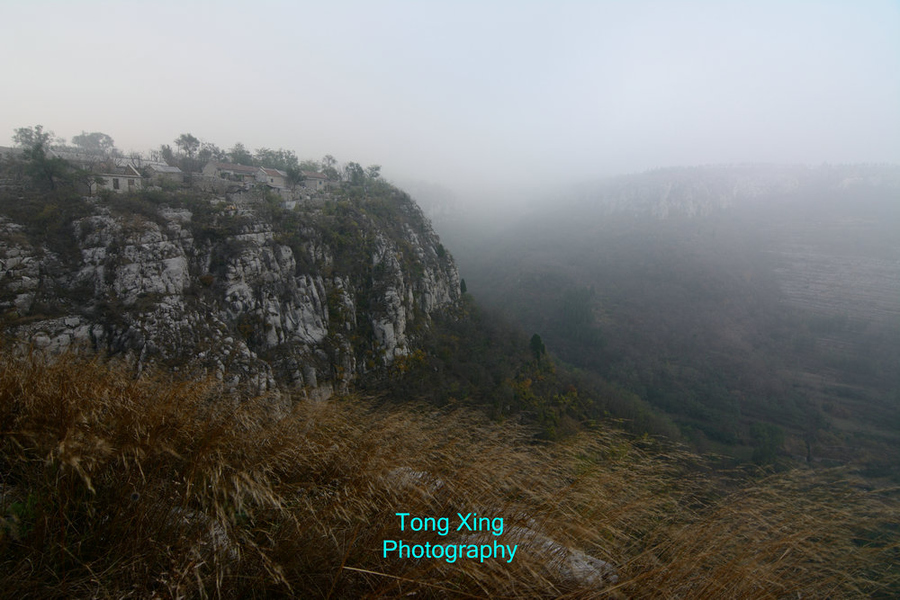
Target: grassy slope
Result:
[111, 486]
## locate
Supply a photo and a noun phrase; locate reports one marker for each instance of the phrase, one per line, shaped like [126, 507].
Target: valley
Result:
[725, 297]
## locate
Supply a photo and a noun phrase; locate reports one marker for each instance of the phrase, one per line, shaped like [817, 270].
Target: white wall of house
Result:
[230, 171]
[159, 175]
[314, 182]
[117, 183]
[272, 177]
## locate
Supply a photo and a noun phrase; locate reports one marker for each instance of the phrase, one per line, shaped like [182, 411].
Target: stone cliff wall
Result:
[255, 294]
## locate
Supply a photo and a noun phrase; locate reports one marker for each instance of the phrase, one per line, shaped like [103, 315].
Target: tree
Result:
[373, 172]
[188, 144]
[354, 174]
[537, 347]
[462, 285]
[31, 137]
[276, 159]
[331, 173]
[94, 143]
[165, 151]
[240, 155]
[45, 172]
[329, 168]
[209, 151]
[294, 176]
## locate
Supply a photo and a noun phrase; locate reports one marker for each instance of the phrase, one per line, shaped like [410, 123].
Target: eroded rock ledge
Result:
[253, 293]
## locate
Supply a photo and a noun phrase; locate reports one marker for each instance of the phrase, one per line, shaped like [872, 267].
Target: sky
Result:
[485, 95]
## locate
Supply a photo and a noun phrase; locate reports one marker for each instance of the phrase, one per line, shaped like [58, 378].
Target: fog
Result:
[482, 98]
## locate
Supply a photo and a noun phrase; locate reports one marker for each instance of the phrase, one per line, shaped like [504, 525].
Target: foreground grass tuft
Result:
[114, 487]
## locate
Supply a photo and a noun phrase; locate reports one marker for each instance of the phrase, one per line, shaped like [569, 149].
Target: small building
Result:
[314, 181]
[272, 178]
[161, 172]
[231, 172]
[116, 174]
[118, 179]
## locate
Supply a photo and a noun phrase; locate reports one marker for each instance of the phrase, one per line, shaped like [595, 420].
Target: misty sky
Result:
[467, 93]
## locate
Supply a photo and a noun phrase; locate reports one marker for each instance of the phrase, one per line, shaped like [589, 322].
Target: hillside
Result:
[756, 306]
[167, 353]
[270, 289]
[242, 286]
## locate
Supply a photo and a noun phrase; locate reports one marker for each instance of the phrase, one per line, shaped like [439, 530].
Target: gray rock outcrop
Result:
[253, 294]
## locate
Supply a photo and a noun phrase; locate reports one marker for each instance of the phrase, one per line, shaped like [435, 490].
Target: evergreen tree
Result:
[537, 347]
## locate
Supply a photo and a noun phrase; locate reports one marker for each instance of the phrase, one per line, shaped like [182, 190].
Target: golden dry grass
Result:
[114, 487]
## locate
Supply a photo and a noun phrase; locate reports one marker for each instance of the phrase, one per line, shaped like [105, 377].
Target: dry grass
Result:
[112, 487]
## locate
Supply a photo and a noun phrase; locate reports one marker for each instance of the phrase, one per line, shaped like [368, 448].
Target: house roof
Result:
[244, 169]
[97, 163]
[127, 160]
[112, 169]
[76, 156]
[314, 175]
[274, 172]
[164, 168]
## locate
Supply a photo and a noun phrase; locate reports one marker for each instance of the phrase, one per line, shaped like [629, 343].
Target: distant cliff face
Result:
[249, 292]
[703, 191]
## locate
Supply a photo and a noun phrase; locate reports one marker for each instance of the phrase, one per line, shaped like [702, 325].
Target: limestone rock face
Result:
[254, 294]
[703, 191]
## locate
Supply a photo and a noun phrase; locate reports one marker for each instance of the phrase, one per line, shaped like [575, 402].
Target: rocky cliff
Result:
[696, 192]
[248, 291]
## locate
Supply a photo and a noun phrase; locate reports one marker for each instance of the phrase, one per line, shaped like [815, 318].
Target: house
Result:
[314, 181]
[161, 172]
[116, 174]
[272, 178]
[118, 179]
[231, 172]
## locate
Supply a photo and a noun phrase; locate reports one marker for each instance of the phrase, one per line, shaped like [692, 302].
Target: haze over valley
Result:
[723, 295]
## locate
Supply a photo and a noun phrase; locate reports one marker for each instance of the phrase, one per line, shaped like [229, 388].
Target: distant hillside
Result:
[726, 297]
[701, 191]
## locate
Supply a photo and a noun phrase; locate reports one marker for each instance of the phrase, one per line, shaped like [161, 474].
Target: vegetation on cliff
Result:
[247, 283]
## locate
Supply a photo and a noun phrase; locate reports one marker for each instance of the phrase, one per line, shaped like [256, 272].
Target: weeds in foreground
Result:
[115, 487]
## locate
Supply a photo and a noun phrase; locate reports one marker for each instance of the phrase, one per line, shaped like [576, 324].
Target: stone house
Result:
[272, 178]
[115, 178]
[314, 181]
[161, 172]
[231, 172]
